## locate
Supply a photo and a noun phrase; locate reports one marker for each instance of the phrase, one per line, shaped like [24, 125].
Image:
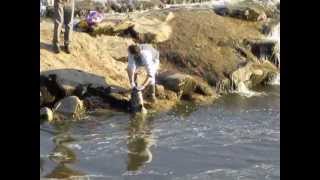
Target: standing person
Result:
[139, 56]
[63, 15]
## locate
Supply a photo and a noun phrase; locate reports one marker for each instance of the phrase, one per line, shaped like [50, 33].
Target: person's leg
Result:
[153, 82]
[152, 90]
[136, 78]
[68, 19]
[58, 21]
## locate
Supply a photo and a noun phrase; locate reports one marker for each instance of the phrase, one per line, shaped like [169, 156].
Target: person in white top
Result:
[143, 56]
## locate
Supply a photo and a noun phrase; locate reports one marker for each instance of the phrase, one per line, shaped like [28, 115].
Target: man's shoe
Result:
[67, 49]
[56, 48]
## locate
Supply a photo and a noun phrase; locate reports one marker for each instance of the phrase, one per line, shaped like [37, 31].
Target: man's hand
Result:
[140, 88]
[133, 85]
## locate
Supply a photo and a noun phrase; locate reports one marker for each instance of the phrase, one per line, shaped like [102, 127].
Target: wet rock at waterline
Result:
[95, 102]
[253, 74]
[182, 84]
[116, 97]
[49, 90]
[46, 114]
[67, 80]
[224, 86]
[263, 49]
[46, 97]
[70, 106]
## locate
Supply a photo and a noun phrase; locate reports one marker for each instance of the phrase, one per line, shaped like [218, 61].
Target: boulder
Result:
[46, 98]
[222, 11]
[182, 84]
[160, 92]
[224, 86]
[49, 90]
[263, 49]
[142, 29]
[247, 10]
[67, 80]
[248, 13]
[203, 89]
[95, 102]
[70, 106]
[253, 74]
[46, 114]
[116, 97]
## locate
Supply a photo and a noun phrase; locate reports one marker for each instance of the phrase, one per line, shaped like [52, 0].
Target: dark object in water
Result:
[136, 102]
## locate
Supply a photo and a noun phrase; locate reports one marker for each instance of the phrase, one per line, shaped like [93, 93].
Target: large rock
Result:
[128, 6]
[70, 106]
[46, 98]
[205, 46]
[248, 10]
[253, 74]
[50, 91]
[203, 88]
[224, 86]
[142, 29]
[182, 84]
[67, 80]
[248, 13]
[116, 97]
[263, 49]
[95, 102]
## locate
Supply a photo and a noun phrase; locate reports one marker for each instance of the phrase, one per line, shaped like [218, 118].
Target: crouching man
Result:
[143, 56]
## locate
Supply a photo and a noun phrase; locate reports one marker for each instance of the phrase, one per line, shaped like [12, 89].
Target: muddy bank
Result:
[208, 56]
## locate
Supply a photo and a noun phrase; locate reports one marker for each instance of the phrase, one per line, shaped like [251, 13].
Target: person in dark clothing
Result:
[63, 15]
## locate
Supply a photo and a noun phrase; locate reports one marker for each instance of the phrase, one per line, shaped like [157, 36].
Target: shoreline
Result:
[96, 69]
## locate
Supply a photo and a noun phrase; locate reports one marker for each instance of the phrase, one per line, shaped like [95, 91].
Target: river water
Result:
[234, 138]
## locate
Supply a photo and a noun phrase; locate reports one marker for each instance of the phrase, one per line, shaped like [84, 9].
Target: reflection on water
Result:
[63, 171]
[139, 142]
[234, 138]
[61, 155]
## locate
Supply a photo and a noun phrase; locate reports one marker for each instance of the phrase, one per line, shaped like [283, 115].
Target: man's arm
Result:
[150, 71]
[131, 77]
[131, 70]
[146, 82]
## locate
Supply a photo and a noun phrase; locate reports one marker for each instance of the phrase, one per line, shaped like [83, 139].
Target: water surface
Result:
[235, 138]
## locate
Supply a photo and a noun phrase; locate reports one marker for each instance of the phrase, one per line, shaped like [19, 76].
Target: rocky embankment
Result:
[203, 54]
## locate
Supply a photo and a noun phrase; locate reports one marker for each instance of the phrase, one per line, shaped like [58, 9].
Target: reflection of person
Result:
[143, 55]
[63, 15]
[139, 143]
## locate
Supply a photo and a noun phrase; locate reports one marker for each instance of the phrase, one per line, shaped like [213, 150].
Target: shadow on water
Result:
[140, 139]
